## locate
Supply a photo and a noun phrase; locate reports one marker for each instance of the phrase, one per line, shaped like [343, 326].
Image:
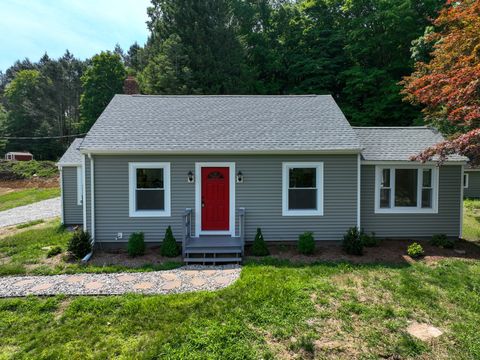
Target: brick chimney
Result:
[130, 86]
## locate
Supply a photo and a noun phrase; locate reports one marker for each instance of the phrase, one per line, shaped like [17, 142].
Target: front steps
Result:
[213, 250]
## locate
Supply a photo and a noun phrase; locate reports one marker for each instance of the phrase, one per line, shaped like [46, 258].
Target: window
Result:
[302, 189]
[149, 186]
[465, 181]
[406, 189]
[79, 185]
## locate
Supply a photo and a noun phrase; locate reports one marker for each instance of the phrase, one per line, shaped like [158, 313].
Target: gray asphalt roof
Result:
[397, 143]
[72, 155]
[145, 123]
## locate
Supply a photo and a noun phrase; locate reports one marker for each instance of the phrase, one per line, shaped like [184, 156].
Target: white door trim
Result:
[198, 197]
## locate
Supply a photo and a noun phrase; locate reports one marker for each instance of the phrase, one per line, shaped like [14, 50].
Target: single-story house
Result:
[18, 156]
[471, 182]
[216, 168]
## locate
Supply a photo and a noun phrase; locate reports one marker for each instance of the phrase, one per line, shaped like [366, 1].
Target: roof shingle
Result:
[72, 156]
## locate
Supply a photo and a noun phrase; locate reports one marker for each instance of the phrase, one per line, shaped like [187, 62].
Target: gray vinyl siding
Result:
[72, 212]
[447, 221]
[260, 194]
[473, 190]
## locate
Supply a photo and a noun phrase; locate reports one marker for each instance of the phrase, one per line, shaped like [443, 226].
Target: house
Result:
[216, 168]
[18, 156]
[471, 182]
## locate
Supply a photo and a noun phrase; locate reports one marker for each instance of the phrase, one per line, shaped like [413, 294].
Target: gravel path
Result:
[184, 279]
[40, 210]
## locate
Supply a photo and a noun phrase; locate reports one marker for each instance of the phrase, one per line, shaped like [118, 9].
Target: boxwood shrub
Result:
[136, 244]
[306, 243]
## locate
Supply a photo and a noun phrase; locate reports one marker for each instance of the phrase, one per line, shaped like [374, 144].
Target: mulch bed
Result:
[389, 251]
[120, 257]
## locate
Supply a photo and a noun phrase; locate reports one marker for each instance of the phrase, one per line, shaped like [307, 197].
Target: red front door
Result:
[215, 198]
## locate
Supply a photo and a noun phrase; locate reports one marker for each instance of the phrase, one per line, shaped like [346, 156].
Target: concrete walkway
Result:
[185, 279]
[40, 210]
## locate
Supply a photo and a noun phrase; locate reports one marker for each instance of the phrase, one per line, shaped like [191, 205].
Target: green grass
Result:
[26, 196]
[471, 220]
[30, 223]
[25, 253]
[275, 310]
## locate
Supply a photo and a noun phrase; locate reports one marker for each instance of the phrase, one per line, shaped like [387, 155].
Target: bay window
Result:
[149, 189]
[405, 189]
[302, 189]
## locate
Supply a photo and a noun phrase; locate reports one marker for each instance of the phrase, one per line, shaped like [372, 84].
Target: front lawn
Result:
[471, 220]
[26, 196]
[276, 310]
[25, 253]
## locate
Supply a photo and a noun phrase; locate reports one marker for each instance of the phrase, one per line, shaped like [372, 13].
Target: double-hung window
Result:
[406, 189]
[302, 193]
[465, 181]
[149, 189]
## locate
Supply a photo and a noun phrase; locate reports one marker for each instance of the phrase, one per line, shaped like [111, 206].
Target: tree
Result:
[101, 81]
[3, 129]
[447, 85]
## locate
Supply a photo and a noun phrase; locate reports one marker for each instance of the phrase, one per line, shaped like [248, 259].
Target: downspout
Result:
[60, 168]
[84, 194]
[92, 208]
[461, 201]
[359, 203]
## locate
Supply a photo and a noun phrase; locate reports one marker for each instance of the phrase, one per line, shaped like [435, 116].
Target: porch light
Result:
[190, 177]
[239, 177]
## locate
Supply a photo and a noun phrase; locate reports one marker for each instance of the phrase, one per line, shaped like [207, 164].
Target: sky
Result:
[29, 28]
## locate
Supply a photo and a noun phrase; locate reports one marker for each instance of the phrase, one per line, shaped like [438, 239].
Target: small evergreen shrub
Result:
[415, 250]
[441, 240]
[352, 242]
[259, 247]
[369, 240]
[80, 244]
[306, 243]
[136, 244]
[169, 246]
[54, 250]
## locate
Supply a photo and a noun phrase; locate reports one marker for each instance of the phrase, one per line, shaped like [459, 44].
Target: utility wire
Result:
[40, 137]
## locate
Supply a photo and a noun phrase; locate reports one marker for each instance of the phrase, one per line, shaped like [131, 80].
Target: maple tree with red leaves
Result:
[449, 84]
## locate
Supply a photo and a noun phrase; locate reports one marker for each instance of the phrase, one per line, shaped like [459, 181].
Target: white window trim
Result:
[198, 198]
[286, 166]
[132, 182]
[79, 186]
[465, 180]
[406, 209]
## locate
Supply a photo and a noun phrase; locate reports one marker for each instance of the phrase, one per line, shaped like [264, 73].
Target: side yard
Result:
[471, 220]
[10, 198]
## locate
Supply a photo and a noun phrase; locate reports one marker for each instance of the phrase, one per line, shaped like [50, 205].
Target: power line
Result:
[40, 137]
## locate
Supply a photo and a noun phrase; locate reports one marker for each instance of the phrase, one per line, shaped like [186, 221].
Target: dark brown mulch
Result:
[120, 257]
[389, 251]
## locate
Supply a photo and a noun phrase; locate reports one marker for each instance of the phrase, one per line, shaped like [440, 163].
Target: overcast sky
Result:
[29, 28]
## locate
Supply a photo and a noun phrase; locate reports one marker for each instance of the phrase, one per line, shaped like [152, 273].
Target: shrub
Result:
[352, 242]
[80, 244]
[54, 250]
[369, 240]
[136, 244]
[169, 246]
[306, 243]
[415, 250]
[442, 240]
[259, 247]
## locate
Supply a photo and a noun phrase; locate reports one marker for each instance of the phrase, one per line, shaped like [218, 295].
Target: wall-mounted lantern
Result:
[190, 177]
[239, 177]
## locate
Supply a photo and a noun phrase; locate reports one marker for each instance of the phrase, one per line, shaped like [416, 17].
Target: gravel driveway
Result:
[40, 210]
[185, 279]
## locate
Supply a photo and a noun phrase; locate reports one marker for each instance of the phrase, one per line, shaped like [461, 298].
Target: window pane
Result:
[406, 187]
[465, 180]
[385, 198]
[427, 178]
[302, 199]
[302, 178]
[386, 178]
[149, 178]
[426, 198]
[150, 199]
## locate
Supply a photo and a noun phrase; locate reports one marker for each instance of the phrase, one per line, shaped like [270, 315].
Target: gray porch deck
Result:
[212, 249]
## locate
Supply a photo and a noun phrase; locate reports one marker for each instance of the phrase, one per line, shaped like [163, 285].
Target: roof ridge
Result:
[391, 127]
[244, 95]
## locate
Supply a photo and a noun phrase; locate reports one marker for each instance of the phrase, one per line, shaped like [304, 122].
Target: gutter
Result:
[92, 207]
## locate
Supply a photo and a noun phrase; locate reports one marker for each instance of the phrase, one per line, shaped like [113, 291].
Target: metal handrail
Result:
[187, 233]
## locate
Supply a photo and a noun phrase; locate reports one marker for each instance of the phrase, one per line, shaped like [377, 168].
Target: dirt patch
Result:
[424, 332]
[389, 251]
[61, 308]
[36, 182]
[120, 257]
